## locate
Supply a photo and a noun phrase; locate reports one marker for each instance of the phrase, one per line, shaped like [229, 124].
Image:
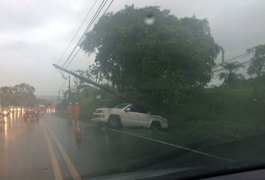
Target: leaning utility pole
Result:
[97, 85]
[84, 79]
[223, 54]
[69, 86]
[59, 96]
[88, 81]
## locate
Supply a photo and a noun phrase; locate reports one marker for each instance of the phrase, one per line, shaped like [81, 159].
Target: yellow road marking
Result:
[66, 158]
[55, 165]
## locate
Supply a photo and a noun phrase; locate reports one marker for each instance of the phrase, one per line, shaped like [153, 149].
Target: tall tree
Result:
[257, 61]
[257, 68]
[24, 95]
[18, 95]
[151, 54]
[6, 96]
[230, 76]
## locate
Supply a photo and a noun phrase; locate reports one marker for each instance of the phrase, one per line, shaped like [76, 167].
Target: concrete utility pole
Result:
[223, 54]
[69, 85]
[97, 85]
[59, 93]
[131, 100]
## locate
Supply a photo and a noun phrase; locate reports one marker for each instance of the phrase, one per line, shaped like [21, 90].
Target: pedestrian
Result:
[77, 112]
[70, 112]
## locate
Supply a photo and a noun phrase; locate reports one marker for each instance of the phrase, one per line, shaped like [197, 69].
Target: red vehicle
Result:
[31, 114]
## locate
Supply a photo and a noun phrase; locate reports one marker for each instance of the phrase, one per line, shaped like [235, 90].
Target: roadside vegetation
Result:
[21, 95]
[166, 62]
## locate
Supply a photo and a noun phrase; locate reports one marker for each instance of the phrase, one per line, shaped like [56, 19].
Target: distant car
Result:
[42, 110]
[31, 114]
[4, 112]
[129, 115]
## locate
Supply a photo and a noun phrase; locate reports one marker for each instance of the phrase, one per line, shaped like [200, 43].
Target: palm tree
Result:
[257, 61]
[230, 76]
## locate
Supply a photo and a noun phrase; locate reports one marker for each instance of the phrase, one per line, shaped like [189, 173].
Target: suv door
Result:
[137, 116]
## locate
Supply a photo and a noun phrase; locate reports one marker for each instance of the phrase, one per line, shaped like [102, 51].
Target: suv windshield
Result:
[121, 106]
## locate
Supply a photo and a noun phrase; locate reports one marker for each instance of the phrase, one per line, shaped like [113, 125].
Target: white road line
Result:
[174, 145]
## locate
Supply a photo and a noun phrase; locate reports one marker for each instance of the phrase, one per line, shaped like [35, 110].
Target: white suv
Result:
[129, 115]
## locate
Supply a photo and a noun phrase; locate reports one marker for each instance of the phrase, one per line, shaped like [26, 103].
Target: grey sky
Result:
[34, 33]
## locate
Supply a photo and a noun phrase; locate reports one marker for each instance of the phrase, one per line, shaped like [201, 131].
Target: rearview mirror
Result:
[127, 109]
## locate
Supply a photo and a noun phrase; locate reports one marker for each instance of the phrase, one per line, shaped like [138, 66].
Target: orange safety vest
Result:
[69, 109]
[77, 111]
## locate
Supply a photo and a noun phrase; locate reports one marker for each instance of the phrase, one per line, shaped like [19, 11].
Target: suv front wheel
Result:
[114, 122]
[155, 125]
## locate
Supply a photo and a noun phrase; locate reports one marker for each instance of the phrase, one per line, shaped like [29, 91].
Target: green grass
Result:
[219, 115]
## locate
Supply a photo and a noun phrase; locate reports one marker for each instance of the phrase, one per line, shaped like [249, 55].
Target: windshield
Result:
[192, 72]
[121, 106]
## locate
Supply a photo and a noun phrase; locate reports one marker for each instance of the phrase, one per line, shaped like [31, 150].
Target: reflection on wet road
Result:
[9, 127]
[53, 149]
[22, 150]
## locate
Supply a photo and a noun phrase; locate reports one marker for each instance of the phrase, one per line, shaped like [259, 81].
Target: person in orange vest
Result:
[70, 112]
[77, 112]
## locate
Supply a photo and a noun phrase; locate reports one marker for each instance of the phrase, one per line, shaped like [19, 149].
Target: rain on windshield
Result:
[185, 78]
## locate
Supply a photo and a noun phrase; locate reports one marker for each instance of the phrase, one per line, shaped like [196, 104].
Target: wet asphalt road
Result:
[53, 149]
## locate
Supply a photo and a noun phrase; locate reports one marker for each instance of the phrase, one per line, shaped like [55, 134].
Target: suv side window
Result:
[138, 109]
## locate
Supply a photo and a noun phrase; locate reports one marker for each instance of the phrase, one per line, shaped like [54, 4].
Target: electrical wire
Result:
[236, 57]
[81, 38]
[108, 7]
[73, 58]
[88, 27]
[72, 40]
[240, 56]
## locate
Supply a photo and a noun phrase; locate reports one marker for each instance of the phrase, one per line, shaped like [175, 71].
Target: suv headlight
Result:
[164, 120]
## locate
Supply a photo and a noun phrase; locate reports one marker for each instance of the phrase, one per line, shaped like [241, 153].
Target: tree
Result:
[45, 102]
[6, 96]
[230, 76]
[257, 68]
[152, 55]
[93, 73]
[24, 95]
[257, 61]
[18, 95]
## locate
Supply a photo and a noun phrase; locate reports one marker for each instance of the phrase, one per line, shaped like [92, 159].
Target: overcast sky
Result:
[34, 33]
